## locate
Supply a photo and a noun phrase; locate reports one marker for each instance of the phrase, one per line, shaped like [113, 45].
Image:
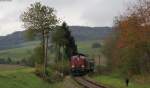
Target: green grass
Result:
[15, 76]
[23, 77]
[114, 82]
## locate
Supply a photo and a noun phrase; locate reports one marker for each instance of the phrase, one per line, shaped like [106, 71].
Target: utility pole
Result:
[99, 59]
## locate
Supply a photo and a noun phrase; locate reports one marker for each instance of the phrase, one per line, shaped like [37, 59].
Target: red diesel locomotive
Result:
[80, 65]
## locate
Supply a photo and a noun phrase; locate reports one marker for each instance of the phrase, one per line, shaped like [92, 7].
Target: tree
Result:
[134, 37]
[70, 47]
[62, 38]
[129, 52]
[9, 60]
[58, 41]
[64, 43]
[40, 20]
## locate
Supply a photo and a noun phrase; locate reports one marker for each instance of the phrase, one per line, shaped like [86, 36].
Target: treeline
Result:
[128, 50]
[6, 60]
[24, 61]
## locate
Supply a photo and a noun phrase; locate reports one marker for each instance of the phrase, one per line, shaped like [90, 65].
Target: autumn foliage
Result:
[130, 50]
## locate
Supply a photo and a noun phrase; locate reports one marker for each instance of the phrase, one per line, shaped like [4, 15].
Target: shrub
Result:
[102, 69]
[96, 45]
[53, 75]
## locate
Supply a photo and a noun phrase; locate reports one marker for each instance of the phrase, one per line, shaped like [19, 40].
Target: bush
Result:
[9, 60]
[38, 69]
[53, 75]
[96, 45]
[66, 68]
[61, 68]
[102, 69]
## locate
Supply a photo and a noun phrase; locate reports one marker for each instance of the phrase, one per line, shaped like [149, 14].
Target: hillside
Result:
[80, 33]
[90, 33]
[25, 50]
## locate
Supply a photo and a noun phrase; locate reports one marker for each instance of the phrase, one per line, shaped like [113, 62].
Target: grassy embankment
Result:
[12, 76]
[15, 76]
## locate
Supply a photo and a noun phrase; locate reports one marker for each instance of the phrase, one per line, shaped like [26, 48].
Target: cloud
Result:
[102, 13]
[10, 27]
[74, 12]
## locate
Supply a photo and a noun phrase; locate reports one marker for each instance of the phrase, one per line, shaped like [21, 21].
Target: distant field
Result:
[25, 50]
[7, 67]
[86, 47]
[19, 53]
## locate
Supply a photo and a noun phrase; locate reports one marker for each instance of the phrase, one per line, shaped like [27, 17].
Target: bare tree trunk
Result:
[148, 61]
[44, 59]
[46, 50]
[62, 60]
[99, 59]
[59, 52]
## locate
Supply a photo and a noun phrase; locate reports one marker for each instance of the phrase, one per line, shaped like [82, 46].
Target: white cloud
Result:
[10, 27]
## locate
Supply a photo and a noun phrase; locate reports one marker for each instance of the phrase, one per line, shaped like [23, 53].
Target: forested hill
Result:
[90, 33]
[81, 33]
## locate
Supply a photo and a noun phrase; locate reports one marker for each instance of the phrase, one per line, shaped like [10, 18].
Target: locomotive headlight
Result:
[82, 66]
[72, 66]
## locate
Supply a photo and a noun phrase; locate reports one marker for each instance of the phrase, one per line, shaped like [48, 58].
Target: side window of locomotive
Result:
[78, 58]
[82, 57]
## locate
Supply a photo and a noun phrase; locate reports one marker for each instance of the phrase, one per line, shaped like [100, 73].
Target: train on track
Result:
[81, 65]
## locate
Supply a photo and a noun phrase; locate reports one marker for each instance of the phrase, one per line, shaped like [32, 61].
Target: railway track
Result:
[86, 83]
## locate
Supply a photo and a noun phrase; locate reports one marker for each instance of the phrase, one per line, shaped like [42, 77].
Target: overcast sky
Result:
[74, 12]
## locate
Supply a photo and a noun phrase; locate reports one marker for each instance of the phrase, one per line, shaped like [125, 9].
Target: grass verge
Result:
[114, 82]
[24, 78]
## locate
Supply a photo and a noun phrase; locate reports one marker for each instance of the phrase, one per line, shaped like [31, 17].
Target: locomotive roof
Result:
[79, 54]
